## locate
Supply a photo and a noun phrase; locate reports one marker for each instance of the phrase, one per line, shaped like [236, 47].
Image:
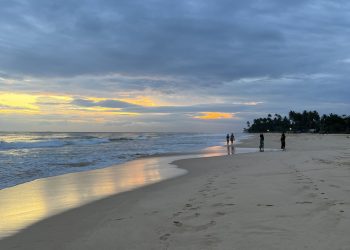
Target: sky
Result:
[164, 65]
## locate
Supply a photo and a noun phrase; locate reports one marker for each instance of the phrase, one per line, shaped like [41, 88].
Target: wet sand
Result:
[298, 199]
[28, 203]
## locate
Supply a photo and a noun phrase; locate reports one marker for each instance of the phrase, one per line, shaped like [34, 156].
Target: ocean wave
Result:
[55, 143]
[64, 138]
[76, 164]
[121, 139]
[28, 156]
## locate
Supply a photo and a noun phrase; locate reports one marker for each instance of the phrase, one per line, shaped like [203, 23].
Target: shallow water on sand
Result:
[25, 204]
[28, 156]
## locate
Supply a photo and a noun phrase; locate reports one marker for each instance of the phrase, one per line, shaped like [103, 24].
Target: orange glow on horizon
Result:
[214, 116]
[60, 107]
[54, 104]
[141, 100]
[18, 101]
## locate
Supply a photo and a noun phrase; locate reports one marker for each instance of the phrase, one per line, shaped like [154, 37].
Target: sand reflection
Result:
[25, 204]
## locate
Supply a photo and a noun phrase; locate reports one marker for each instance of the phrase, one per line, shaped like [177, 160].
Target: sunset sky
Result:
[159, 65]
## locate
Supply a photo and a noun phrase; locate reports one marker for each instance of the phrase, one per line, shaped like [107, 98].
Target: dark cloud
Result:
[104, 103]
[225, 108]
[224, 39]
[286, 54]
[128, 107]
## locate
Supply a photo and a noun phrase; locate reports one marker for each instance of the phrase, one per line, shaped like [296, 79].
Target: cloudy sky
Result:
[164, 65]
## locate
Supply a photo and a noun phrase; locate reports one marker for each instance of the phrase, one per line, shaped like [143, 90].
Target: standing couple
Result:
[230, 138]
[230, 149]
[283, 142]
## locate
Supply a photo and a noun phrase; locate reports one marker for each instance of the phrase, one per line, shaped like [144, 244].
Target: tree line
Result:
[306, 121]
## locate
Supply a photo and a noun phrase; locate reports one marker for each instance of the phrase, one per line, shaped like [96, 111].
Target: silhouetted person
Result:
[227, 139]
[283, 141]
[261, 146]
[232, 138]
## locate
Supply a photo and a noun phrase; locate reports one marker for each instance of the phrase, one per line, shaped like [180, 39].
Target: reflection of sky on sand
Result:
[30, 202]
[25, 204]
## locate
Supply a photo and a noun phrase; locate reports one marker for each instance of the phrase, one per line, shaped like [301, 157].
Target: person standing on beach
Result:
[283, 141]
[232, 138]
[227, 139]
[261, 147]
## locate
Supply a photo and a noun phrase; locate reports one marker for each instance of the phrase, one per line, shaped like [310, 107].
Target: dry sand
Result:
[298, 199]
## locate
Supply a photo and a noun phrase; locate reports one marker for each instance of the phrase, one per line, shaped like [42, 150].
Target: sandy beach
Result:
[297, 199]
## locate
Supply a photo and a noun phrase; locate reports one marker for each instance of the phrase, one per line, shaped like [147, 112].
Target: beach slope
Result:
[297, 199]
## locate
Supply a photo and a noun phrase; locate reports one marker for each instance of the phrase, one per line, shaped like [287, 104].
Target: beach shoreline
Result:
[223, 202]
[27, 156]
[46, 197]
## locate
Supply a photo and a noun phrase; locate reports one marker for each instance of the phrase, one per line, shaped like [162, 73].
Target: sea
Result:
[28, 156]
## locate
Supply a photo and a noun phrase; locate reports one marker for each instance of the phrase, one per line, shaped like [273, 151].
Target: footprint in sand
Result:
[177, 223]
[205, 226]
[194, 228]
[265, 205]
[177, 214]
[229, 204]
[164, 237]
[203, 191]
[119, 219]
[222, 204]
[220, 213]
[331, 204]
